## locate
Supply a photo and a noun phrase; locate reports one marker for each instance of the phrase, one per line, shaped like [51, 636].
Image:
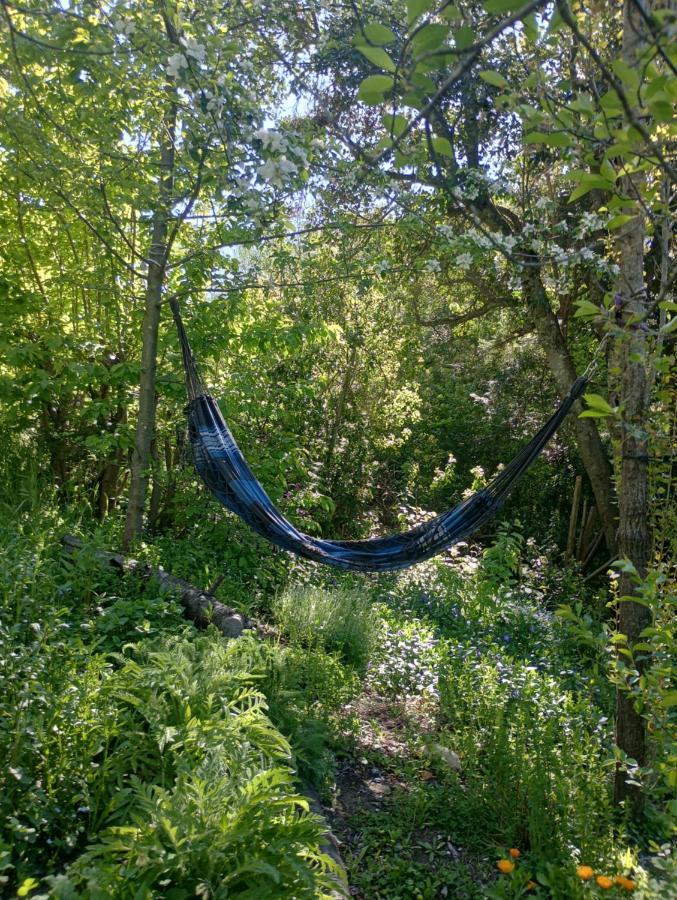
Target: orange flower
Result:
[531, 885]
[604, 882]
[514, 852]
[505, 866]
[584, 872]
[626, 883]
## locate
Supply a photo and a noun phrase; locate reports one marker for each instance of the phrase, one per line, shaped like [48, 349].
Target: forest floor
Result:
[385, 809]
[446, 716]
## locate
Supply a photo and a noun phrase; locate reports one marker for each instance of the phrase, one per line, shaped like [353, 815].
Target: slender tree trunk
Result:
[339, 414]
[633, 508]
[593, 455]
[145, 427]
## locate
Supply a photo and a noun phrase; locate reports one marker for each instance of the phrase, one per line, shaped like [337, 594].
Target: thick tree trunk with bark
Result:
[633, 508]
[593, 454]
[157, 261]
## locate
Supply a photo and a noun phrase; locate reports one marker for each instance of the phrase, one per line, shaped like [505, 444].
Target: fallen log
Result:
[200, 607]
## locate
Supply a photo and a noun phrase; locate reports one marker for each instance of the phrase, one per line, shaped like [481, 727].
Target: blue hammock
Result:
[224, 470]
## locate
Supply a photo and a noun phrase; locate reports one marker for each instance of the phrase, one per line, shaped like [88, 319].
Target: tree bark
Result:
[593, 454]
[633, 508]
[157, 261]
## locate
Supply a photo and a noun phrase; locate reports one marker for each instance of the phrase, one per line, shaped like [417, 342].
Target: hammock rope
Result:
[226, 473]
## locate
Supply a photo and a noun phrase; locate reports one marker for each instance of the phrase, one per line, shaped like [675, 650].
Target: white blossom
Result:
[446, 231]
[286, 166]
[275, 170]
[193, 49]
[432, 265]
[271, 140]
[175, 63]
[464, 261]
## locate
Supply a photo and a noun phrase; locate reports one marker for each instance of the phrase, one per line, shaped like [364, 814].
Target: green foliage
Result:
[158, 765]
[306, 690]
[214, 808]
[340, 621]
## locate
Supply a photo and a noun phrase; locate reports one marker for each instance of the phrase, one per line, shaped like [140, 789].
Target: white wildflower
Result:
[270, 172]
[464, 261]
[446, 231]
[432, 265]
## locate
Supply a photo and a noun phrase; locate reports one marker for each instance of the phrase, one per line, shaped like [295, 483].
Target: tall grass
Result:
[340, 621]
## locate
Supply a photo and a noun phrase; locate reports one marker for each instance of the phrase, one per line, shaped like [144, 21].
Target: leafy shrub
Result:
[213, 810]
[537, 770]
[335, 620]
[306, 692]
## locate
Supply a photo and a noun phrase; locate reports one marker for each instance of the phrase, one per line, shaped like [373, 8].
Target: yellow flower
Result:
[505, 866]
[531, 885]
[514, 852]
[584, 872]
[604, 882]
[626, 883]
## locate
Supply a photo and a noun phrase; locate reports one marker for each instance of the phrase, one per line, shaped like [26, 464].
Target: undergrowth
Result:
[140, 758]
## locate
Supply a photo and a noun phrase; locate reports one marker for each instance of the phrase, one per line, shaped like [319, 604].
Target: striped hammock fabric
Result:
[224, 470]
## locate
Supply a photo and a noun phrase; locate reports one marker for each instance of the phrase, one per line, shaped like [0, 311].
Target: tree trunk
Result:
[595, 459]
[633, 509]
[157, 261]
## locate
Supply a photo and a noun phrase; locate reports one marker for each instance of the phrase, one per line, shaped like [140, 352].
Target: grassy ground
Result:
[446, 715]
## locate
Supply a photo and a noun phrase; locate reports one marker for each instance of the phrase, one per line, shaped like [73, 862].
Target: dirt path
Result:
[390, 809]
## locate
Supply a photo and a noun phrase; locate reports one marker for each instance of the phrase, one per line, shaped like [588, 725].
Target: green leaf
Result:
[530, 24]
[611, 104]
[451, 12]
[607, 170]
[670, 327]
[597, 402]
[589, 184]
[430, 37]
[464, 37]
[379, 57]
[628, 75]
[494, 78]
[586, 309]
[423, 81]
[394, 123]
[669, 698]
[373, 88]
[442, 146]
[376, 33]
[549, 138]
[619, 220]
[501, 6]
[662, 111]
[416, 8]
